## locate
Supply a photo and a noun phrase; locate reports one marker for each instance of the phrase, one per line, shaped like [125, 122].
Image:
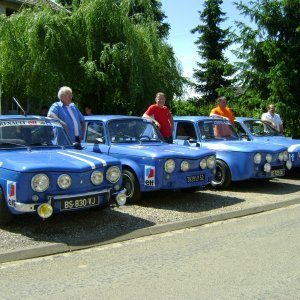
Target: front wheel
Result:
[131, 184]
[5, 215]
[223, 176]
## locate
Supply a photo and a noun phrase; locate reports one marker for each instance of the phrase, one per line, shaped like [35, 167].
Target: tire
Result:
[5, 215]
[131, 184]
[223, 176]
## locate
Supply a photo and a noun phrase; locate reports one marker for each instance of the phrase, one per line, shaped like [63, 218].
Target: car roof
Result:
[242, 119]
[106, 118]
[19, 117]
[193, 118]
[28, 117]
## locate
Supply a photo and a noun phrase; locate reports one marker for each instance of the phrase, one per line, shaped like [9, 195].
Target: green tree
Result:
[214, 70]
[35, 55]
[141, 10]
[270, 61]
[111, 61]
[70, 4]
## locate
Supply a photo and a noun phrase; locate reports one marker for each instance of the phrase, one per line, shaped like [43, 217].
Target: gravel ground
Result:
[80, 228]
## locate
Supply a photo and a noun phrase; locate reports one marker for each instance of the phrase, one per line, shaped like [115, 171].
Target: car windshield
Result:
[132, 131]
[259, 128]
[217, 130]
[21, 133]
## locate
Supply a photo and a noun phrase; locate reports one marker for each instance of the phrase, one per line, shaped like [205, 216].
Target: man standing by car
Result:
[272, 118]
[222, 111]
[161, 117]
[69, 114]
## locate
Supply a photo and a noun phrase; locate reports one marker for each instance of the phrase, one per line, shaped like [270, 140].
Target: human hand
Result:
[156, 124]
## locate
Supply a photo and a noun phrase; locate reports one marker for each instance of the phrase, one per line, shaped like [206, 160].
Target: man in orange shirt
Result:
[223, 111]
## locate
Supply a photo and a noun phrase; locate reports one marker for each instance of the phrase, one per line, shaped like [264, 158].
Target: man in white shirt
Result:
[272, 118]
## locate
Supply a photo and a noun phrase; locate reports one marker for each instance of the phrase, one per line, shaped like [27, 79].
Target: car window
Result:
[132, 130]
[32, 133]
[185, 131]
[259, 128]
[95, 133]
[239, 129]
[216, 130]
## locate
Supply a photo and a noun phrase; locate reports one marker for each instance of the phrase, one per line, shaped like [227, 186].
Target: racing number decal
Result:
[11, 193]
[149, 176]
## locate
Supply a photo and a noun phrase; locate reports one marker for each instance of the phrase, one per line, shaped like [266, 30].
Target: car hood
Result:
[54, 160]
[293, 145]
[160, 151]
[244, 146]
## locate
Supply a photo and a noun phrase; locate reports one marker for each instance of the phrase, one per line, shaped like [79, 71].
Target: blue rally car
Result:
[41, 171]
[236, 159]
[255, 130]
[148, 162]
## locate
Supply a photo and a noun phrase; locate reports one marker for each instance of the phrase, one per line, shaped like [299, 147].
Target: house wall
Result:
[9, 6]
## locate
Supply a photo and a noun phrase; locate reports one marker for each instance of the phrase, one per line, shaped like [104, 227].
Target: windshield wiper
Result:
[11, 143]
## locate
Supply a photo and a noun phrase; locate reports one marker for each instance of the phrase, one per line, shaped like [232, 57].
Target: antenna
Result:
[19, 106]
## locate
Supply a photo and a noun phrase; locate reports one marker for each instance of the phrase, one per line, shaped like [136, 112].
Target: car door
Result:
[96, 138]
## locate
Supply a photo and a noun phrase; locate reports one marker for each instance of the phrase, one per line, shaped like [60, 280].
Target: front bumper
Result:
[54, 201]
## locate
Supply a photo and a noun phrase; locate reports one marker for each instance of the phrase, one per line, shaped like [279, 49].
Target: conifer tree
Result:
[214, 70]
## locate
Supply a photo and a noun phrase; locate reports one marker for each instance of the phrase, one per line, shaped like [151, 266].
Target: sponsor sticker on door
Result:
[149, 176]
[11, 193]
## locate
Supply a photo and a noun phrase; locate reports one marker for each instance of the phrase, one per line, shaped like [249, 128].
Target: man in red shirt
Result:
[161, 117]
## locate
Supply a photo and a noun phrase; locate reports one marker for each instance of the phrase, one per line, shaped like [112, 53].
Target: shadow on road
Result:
[76, 228]
[185, 201]
[97, 226]
[268, 187]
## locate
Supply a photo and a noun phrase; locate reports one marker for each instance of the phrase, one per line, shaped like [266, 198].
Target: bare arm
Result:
[264, 119]
[152, 118]
[54, 116]
[218, 116]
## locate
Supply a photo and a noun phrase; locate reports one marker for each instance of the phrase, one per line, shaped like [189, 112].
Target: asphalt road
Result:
[254, 257]
[158, 212]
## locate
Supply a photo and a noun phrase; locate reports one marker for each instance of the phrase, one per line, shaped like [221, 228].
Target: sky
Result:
[183, 15]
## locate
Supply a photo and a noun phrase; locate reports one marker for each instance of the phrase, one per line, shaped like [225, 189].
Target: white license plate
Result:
[279, 172]
[195, 178]
[80, 202]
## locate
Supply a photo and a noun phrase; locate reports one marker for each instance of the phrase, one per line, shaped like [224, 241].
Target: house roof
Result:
[53, 4]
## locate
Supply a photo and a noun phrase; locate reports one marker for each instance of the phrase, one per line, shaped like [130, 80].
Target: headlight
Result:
[45, 210]
[64, 181]
[288, 164]
[269, 157]
[97, 177]
[40, 182]
[257, 158]
[280, 156]
[203, 163]
[170, 166]
[211, 162]
[285, 155]
[267, 168]
[184, 166]
[113, 174]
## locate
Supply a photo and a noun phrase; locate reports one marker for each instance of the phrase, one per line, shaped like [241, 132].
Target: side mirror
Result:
[244, 137]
